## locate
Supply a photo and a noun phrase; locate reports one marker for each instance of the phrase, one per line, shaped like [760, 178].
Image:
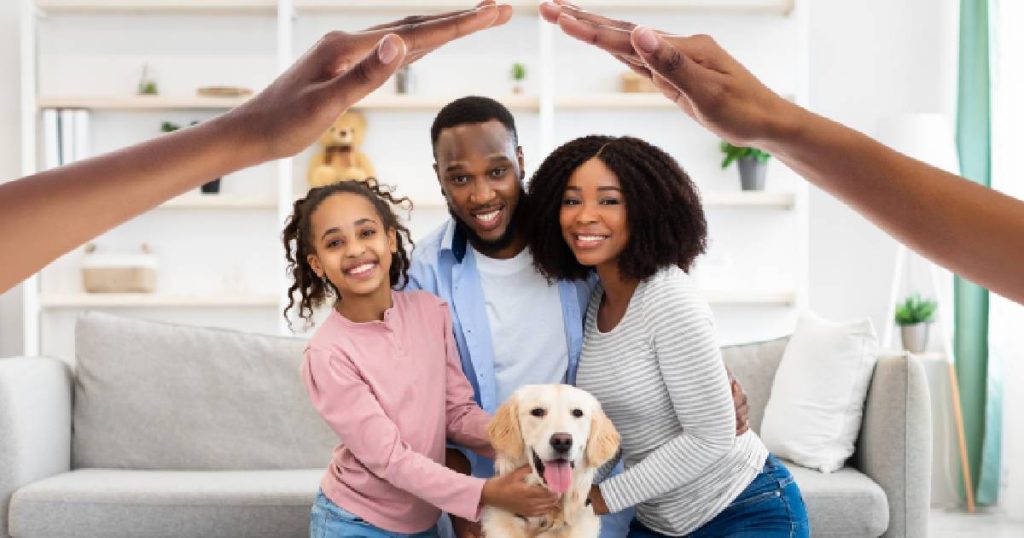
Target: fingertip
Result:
[390, 47]
[645, 40]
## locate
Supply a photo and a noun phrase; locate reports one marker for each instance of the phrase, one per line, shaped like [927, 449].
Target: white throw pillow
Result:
[814, 411]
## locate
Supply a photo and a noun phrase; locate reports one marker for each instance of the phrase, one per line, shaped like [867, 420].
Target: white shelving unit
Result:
[236, 232]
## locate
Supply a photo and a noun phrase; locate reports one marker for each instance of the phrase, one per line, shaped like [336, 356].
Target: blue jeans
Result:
[328, 520]
[771, 506]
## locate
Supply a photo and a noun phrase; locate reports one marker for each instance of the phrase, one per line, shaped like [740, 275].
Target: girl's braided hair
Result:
[663, 208]
[298, 242]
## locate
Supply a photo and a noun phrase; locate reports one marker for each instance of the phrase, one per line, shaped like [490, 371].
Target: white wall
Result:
[870, 60]
[10, 157]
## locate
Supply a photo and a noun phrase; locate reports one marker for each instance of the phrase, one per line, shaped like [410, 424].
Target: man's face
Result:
[480, 168]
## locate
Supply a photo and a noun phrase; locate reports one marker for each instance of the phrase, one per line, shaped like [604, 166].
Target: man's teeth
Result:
[360, 269]
[488, 217]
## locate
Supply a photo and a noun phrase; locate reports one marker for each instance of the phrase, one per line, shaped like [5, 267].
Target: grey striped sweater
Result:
[660, 378]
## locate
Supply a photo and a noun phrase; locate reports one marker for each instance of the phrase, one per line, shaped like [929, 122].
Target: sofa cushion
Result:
[754, 366]
[843, 503]
[116, 503]
[162, 396]
[817, 397]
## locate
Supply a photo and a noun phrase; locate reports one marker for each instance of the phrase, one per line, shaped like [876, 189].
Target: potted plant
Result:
[147, 84]
[753, 164]
[518, 75]
[914, 316]
[210, 187]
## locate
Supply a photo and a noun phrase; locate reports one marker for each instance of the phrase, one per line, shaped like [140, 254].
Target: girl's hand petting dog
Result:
[510, 492]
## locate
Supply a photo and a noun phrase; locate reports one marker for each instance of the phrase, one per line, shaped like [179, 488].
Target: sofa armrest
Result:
[35, 424]
[895, 443]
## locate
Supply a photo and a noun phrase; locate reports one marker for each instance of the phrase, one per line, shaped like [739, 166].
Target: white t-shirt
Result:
[527, 326]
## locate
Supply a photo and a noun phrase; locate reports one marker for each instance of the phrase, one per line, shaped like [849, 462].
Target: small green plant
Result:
[733, 153]
[170, 127]
[518, 72]
[915, 310]
[147, 85]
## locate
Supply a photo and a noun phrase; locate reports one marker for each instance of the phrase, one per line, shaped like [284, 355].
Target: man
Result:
[512, 326]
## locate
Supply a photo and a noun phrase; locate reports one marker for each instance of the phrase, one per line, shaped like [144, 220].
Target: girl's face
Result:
[593, 215]
[352, 246]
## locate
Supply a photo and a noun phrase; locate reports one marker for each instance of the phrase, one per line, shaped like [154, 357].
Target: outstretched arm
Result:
[974, 231]
[47, 214]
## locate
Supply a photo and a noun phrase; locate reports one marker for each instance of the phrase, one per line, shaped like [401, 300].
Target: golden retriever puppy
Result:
[561, 432]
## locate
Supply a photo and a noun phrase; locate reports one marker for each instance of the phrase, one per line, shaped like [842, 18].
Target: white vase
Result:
[915, 337]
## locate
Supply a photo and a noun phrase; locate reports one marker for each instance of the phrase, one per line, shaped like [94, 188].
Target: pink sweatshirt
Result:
[394, 390]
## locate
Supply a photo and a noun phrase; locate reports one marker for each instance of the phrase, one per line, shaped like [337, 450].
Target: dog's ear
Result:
[503, 430]
[603, 441]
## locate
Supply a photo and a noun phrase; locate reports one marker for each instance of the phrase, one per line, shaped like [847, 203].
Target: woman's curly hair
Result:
[298, 242]
[663, 208]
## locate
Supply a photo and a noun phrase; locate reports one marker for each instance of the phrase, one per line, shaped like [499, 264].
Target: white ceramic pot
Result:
[915, 337]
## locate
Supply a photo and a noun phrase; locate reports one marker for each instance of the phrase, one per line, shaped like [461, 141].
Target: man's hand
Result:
[341, 69]
[510, 492]
[693, 72]
[739, 400]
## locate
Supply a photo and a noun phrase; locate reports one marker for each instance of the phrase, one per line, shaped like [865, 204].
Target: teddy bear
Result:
[339, 157]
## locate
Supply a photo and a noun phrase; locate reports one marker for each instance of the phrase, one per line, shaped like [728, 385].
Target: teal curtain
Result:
[980, 390]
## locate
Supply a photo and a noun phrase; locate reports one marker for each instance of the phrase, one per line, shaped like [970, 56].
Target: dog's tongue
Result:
[558, 475]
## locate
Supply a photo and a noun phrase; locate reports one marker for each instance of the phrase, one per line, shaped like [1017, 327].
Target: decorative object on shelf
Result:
[753, 164]
[210, 187]
[147, 84]
[405, 81]
[634, 83]
[124, 272]
[914, 316]
[518, 76]
[223, 91]
[339, 157]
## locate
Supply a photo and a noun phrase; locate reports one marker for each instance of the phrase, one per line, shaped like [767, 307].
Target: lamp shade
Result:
[925, 137]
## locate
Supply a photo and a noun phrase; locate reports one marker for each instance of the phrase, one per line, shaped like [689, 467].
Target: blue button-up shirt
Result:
[443, 264]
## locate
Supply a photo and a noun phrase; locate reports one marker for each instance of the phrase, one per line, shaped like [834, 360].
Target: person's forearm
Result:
[457, 461]
[102, 192]
[972, 230]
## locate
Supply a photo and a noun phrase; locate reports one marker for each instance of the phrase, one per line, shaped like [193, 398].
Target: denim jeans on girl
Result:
[770, 507]
[328, 520]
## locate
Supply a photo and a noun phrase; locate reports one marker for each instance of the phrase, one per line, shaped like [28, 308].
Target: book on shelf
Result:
[65, 136]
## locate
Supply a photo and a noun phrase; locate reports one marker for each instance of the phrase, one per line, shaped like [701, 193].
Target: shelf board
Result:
[141, 102]
[155, 300]
[434, 103]
[775, 7]
[203, 7]
[750, 297]
[161, 102]
[741, 199]
[219, 201]
[614, 100]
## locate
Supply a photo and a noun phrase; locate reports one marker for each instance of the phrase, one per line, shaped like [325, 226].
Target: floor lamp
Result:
[928, 138]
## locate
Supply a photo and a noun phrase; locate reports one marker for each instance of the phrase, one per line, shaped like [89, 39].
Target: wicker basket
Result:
[634, 83]
[119, 272]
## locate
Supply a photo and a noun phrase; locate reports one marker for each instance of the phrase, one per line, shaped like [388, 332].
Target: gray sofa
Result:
[164, 430]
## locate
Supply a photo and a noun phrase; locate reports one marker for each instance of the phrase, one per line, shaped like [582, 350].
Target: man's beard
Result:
[492, 246]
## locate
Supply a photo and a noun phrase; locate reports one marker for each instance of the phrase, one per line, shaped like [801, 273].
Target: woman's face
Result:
[353, 248]
[593, 215]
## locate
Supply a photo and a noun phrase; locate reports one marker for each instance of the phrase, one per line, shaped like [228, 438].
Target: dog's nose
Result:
[561, 442]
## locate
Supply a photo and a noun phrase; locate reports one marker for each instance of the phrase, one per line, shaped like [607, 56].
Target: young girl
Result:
[384, 372]
[625, 209]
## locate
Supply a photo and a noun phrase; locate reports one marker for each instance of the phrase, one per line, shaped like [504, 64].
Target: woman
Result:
[624, 209]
